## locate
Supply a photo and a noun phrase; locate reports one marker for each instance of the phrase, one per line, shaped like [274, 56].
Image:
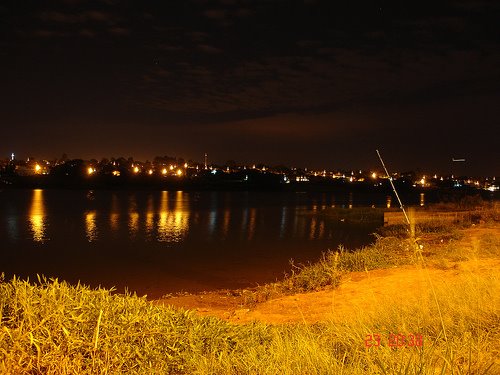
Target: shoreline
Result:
[355, 288]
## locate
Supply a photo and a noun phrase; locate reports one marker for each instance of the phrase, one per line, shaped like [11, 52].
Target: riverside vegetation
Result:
[50, 327]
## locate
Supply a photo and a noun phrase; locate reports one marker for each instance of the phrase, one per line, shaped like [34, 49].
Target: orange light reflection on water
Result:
[37, 216]
[91, 226]
[312, 232]
[114, 217]
[173, 225]
[252, 223]
[150, 217]
[133, 216]
[225, 223]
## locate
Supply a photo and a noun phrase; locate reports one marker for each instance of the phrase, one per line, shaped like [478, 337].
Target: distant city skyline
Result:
[458, 169]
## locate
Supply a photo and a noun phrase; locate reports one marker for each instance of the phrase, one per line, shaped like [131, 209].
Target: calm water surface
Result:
[161, 242]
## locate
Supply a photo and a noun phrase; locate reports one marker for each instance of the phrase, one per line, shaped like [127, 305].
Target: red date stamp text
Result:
[394, 340]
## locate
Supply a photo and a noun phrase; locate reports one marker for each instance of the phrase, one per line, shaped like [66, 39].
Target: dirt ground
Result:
[357, 292]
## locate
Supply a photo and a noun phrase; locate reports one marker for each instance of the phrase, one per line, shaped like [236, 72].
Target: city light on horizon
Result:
[300, 175]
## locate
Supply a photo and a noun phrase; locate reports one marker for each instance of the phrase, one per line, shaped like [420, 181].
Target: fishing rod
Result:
[394, 189]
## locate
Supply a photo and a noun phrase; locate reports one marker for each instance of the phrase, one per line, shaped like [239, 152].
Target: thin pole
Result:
[394, 188]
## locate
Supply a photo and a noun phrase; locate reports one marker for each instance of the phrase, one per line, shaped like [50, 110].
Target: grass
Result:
[328, 271]
[54, 328]
[51, 327]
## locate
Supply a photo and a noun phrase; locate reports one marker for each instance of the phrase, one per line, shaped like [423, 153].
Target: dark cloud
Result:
[198, 36]
[217, 14]
[244, 12]
[73, 2]
[208, 48]
[120, 31]
[49, 33]
[301, 84]
[87, 33]
[53, 16]
[82, 17]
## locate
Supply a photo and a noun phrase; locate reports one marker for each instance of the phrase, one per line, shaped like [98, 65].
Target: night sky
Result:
[318, 84]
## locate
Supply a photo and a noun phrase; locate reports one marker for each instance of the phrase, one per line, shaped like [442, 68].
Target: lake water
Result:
[158, 242]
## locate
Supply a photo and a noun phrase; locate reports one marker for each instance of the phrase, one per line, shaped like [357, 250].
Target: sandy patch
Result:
[358, 293]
